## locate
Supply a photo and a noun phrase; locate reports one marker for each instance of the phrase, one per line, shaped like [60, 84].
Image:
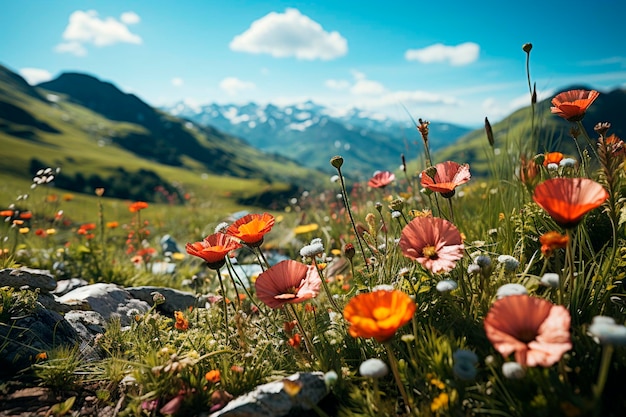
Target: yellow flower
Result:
[24, 230]
[306, 228]
[51, 231]
[177, 256]
[440, 402]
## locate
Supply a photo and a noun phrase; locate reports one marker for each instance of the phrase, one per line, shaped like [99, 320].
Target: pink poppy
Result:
[381, 179]
[288, 282]
[567, 200]
[572, 105]
[433, 242]
[534, 328]
[445, 177]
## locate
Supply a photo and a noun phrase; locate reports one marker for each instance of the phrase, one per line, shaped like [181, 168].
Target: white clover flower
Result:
[607, 332]
[373, 368]
[511, 289]
[550, 279]
[510, 263]
[446, 285]
[513, 370]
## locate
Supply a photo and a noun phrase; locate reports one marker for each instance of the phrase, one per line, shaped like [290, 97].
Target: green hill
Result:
[102, 137]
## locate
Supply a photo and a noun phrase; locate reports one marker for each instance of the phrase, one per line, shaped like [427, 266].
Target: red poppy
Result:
[433, 242]
[251, 228]
[213, 249]
[288, 282]
[26, 215]
[378, 314]
[572, 105]
[567, 200]
[445, 177]
[137, 206]
[535, 329]
[552, 158]
[381, 179]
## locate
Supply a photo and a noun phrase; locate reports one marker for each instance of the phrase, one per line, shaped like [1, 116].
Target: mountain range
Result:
[312, 134]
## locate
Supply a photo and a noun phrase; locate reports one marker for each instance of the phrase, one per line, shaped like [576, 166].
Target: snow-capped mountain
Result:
[312, 134]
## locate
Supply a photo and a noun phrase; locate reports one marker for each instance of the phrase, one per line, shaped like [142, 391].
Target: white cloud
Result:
[233, 85]
[367, 87]
[462, 54]
[87, 28]
[177, 81]
[290, 34]
[337, 84]
[130, 18]
[35, 75]
[75, 48]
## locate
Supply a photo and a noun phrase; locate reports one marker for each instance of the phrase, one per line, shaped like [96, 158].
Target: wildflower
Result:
[465, 364]
[330, 378]
[313, 249]
[568, 163]
[112, 225]
[305, 228]
[213, 249]
[181, 322]
[41, 356]
[536, 330]
[378, 314]
[513, 370]
[445, 177]
[615, 145]
[24, 230]
[572, 105]
[237, 368]
[607, 332]
[381, 179]
[567, 200]
[99, 192]
[510, 289]
[552, 158]
[6, 213]
[550, 279]
[295, 340]
[529, 172]
[292, 388]
[349, 251]
[551, 241]
[373, 368]
[288, 282]
[213, 376]
[433, 242]
[440, 402]
[26, 215]
[483, 261]
[510, 263]
[446, 285]
[137, 206]
[251, 228]
[86, 228]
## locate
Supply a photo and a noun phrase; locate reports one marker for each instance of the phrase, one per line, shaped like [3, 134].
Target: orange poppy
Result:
[213, 249]
[295, 341]
[445, 177]
[551, 241]
[381, 179]
[112, 225]
[181, 322]
[26, 215]
[288, 282]
[214, 376]
[552, 158]
[567, 200]
[572, 105]
[251, 228]
[615, 145]
[378, 314]
[6, 213]
[534, 328]
[137, 206]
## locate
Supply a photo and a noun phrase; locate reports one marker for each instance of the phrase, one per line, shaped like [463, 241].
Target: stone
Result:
[32, 278]
[86, 323]
[66, 285]
[175, 300]
[271, 400]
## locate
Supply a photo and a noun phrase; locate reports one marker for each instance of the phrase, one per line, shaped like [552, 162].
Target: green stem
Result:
[309, 343]
[224, 306]
[393, 361]
[326, 289]
[598, 388]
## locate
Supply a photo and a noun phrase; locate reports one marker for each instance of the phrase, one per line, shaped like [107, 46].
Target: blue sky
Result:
[455, 61]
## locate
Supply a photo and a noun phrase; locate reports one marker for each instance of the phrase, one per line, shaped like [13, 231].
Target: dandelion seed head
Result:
[550, 279]
[446, 285]
[373, 368]
[510, 263]
[511, 289]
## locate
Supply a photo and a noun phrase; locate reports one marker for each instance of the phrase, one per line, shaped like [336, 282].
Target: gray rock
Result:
[110, 300]
[270, 400]
[86, 323]
[33, 278]
[66, 285]
[175, 300]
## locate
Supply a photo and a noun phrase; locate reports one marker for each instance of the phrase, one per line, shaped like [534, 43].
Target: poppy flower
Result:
[445, 177]
[567, 200]
[433, 242]
[251, 228]
[213, 249]
[214, 376]
[181, 322]
[529, 172]
[6, 213]
[378, 314]
[381, 179]
[288, 282]
[551, 241]
[137, 206]
[572, 105]
[552, 158]
[536, 330]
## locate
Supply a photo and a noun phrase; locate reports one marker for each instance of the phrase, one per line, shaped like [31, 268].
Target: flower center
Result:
[430, 252]
[380, 313]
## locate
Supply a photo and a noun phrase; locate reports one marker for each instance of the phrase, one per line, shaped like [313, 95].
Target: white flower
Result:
[334, 178]
[383, 287]
[395, 214]
[483, 261]
[313, 249]
[510, 263]
[552, 166]
[513, 370]
[473, 269]
[373, 368]
[446, 285]
[607, 332]
[510, 289]
[568, 162]
[330, 378]
[550, 279]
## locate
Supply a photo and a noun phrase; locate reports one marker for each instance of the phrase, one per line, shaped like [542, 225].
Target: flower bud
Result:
[527, 47]
[336, 161]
